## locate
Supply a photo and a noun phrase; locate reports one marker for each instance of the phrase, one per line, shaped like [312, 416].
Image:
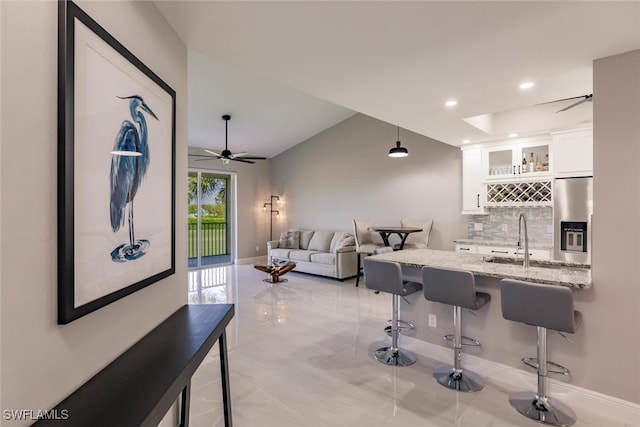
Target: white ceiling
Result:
[272, 65]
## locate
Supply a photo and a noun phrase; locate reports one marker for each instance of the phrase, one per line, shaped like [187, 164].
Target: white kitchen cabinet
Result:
[473, 189]
[512, 252]
[573, 152]
[502, 251]
[496, 250]
[469, 249]
[506, 161]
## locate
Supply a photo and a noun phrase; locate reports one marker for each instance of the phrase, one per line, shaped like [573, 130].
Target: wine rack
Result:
[530, 193]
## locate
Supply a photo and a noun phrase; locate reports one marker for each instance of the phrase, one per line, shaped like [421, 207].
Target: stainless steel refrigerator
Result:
[572, 211]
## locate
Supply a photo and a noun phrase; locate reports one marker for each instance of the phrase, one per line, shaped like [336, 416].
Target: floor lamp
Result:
[272, 211]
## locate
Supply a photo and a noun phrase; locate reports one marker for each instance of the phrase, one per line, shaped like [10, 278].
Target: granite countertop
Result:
[549, 272]
[505, 243]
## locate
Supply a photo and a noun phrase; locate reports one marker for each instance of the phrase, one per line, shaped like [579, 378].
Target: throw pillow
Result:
[321, 241]
[341, 240]
[289, 240]
[305, 238]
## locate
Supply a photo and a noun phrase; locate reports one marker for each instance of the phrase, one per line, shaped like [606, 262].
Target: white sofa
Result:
[325, 253]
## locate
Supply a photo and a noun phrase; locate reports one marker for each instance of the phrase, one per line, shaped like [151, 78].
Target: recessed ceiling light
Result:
[466, 141]
[527, 85]
[513, 135]
[451, 103]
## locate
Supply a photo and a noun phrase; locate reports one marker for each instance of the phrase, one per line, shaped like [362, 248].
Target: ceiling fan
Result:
[583, 98]
[226, 155]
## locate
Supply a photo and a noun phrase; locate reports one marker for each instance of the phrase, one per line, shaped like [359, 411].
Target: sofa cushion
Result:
[321, 241]
[280, 253]
[305, 238]
[340, 240]
[301, 255]
[289, 240]
[324, 258]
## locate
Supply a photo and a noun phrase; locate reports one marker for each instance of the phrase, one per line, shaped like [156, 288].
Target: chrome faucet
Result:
[522, 219]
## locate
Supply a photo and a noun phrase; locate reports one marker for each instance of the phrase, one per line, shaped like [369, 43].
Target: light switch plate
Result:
[477, 226]
[505, 227]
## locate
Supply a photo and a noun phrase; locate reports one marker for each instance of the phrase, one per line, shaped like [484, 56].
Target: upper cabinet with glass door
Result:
[528, 158]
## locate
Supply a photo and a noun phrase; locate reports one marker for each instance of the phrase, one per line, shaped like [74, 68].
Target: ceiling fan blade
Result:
[251, 157]
[203, 157]
[239, 154]
[573, 105]
[560, 100]
[236, 159]
[215, 153]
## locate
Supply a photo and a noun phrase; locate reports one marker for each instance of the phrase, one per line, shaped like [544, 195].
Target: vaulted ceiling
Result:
[287, 70]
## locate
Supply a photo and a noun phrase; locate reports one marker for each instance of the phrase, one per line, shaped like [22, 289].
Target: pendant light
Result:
[398, 151]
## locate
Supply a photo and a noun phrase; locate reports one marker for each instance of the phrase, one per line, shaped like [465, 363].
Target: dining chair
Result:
[364, 242]
[419, 240]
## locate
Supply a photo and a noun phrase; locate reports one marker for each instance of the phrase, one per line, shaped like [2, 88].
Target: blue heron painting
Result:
[129, 165]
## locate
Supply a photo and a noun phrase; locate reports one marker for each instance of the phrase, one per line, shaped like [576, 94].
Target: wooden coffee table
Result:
[275, 270]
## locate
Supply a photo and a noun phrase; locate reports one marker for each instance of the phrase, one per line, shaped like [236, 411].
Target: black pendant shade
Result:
[398, 151]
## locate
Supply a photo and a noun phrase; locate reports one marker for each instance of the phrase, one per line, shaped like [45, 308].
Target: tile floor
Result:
[300, 356]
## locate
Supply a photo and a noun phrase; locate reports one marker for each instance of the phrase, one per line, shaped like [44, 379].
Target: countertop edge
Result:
[572, 277]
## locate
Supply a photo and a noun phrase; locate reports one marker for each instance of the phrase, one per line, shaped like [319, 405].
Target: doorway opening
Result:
[210, 224]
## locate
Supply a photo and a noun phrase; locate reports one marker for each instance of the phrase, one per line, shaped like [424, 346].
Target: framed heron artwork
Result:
[116, 169]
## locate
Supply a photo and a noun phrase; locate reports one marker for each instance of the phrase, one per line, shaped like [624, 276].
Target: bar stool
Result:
[546, 307]
[402, 324]
[386, 276]
[456, 288]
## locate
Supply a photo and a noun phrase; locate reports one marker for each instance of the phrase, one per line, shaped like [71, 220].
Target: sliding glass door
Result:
[209, 213]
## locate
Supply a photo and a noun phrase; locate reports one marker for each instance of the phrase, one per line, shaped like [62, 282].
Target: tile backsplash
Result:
[502, 224]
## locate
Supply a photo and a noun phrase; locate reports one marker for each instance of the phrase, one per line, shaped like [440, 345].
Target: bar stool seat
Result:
[545, 307]
[456, 288]
[384, 276]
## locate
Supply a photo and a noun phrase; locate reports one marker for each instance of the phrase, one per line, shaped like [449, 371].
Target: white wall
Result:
[43, 362]
[614, 319]
[345, 173]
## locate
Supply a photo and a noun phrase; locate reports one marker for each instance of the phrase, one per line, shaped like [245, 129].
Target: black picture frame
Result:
[92, 130]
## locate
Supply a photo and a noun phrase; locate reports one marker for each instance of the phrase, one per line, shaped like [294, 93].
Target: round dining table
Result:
[402, 232]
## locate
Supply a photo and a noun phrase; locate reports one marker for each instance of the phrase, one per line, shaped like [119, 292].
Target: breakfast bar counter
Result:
[576, 276]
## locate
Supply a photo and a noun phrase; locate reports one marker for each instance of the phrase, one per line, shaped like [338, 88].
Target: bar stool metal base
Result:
[466, 380]
[547, 411]
[395, 356]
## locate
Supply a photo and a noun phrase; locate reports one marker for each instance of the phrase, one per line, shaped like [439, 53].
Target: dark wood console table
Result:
[140, 386]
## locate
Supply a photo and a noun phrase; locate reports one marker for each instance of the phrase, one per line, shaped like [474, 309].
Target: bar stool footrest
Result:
[556, 368]
[402, 325]
[466, 341]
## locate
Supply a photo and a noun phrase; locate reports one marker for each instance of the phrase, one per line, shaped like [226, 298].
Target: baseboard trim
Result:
[506, 376]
